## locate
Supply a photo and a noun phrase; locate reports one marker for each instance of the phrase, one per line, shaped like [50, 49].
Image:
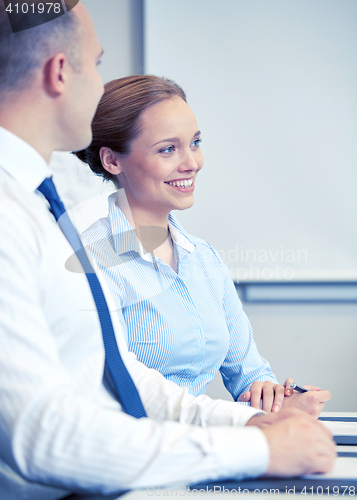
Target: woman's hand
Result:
[311, 402]
[272, 395]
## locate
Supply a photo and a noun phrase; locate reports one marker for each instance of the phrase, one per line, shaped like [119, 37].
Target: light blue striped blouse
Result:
[187, 325]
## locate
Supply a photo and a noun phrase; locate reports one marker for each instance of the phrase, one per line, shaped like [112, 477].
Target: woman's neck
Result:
[151, 228]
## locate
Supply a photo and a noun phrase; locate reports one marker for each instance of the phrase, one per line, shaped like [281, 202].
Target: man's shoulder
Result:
[22, 213]
[13, 197]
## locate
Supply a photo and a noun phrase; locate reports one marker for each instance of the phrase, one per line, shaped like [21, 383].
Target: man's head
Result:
[51, 70]
[23, 53]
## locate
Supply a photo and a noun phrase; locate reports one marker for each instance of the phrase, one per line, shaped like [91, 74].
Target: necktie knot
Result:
[49, 191]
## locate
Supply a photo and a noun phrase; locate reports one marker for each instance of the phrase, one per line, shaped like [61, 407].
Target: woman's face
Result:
[159, 174]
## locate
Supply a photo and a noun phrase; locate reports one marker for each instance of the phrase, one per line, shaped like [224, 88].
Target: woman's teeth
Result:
[182, 184]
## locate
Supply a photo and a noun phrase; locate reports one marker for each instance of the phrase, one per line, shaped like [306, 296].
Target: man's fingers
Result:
[325, 430]
[298, 445]
[324, 436]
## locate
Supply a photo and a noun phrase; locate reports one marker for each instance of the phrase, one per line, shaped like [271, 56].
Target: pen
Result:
[297, 387]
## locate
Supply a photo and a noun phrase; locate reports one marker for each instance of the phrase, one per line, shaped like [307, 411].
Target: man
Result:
[62, 428]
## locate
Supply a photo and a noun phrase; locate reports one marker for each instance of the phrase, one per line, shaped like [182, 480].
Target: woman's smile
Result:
[182, 185]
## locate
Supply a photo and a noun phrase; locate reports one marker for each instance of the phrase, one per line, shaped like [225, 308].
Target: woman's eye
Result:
[169, 149]
[197, 142]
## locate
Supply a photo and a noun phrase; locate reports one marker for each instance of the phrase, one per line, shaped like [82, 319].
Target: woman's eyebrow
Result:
[170, 139]
[174, 139]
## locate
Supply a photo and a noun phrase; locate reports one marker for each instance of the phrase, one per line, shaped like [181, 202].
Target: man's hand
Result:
[298, 443]
[273, 395]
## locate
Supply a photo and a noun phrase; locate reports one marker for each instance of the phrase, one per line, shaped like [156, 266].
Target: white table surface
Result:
[340, 414]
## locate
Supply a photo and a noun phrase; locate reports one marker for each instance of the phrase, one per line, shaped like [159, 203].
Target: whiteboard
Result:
[273, 85]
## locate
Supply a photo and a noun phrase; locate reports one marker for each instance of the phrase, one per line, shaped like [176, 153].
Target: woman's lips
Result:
[184, 185]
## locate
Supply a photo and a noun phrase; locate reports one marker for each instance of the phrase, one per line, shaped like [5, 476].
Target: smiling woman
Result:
[159, 173]
[173, 294]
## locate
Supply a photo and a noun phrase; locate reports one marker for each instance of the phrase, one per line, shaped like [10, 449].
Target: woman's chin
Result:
[185, 204]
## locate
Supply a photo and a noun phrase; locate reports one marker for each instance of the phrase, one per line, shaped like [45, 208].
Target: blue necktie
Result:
[127, 392]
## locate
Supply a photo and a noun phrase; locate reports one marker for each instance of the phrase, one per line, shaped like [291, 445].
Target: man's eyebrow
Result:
[175, 139]
[100, 55]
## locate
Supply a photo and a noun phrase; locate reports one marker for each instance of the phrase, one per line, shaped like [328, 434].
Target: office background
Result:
[278, 80]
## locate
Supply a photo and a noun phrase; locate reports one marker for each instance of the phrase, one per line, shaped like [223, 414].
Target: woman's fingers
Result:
[245, 396]
[288, 390]
[278, 398]
[268, 396]
[273, 397]
[256, 394]
[311, 402]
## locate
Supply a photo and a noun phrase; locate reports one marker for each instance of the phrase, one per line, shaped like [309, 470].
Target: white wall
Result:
[274, 87]
[119, 26]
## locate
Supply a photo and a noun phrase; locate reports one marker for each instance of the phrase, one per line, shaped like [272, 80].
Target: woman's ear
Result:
[109, 161]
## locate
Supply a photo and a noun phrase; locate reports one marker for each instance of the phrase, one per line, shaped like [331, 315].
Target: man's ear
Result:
[110, 161]
[56, 74]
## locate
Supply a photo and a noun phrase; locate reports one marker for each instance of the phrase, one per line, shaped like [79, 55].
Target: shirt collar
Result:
[179, 235]
[125, 239]
[22, 161]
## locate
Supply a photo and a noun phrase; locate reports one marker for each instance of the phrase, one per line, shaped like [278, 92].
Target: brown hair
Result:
[115, 123]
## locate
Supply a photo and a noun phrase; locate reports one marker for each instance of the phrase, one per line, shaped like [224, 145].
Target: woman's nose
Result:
[190, 162]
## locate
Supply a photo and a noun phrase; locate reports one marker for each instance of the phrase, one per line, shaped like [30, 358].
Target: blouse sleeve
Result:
[243, 363]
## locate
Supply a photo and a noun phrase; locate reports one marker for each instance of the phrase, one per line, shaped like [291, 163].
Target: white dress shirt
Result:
[61, 428]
